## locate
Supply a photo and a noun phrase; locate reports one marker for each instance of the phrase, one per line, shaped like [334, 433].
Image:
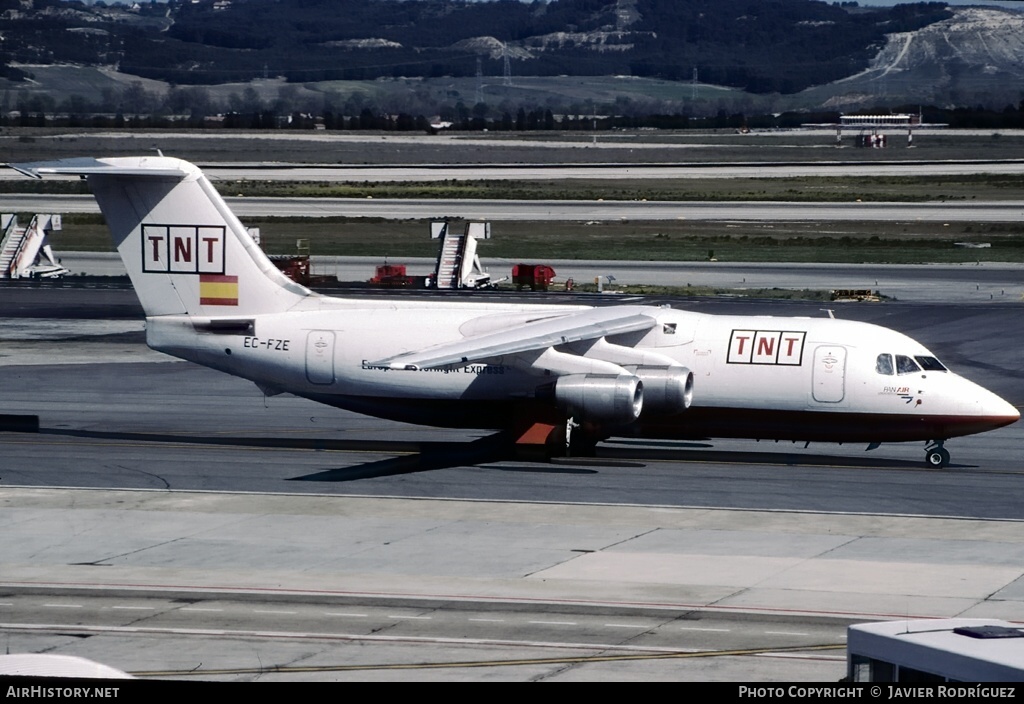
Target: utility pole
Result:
[479, 81]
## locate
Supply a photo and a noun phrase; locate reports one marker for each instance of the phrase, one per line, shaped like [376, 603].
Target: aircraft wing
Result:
[588, 324]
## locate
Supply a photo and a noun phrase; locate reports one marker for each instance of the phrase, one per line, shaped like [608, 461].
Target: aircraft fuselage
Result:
[754, 376]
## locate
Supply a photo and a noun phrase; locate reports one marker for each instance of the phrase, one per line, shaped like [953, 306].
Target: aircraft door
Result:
[828, 382]
[320, 357]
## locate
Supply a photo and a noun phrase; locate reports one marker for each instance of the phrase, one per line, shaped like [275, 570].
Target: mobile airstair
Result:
[458, 265]
[25, 252]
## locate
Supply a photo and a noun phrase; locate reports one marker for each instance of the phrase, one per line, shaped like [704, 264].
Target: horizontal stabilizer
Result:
[574, 327]
[87, 166]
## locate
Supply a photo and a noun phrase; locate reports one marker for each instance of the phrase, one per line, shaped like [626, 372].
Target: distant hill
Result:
[975, 57]
[424, 57]
[760, 46]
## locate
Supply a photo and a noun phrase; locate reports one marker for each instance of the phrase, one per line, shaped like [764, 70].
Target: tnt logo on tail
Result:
[191, 249]
[183, 249]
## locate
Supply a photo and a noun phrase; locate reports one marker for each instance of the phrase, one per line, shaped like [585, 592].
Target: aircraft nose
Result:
[996, 410]
[1007, 412]
[977, 408]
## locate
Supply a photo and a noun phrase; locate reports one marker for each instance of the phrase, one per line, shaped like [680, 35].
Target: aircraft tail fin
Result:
[185, 251]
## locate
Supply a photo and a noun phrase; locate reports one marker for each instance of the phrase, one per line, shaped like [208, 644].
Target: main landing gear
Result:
[935, 455]
[580, 441]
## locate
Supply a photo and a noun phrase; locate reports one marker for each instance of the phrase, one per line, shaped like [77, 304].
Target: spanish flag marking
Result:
[218, 290]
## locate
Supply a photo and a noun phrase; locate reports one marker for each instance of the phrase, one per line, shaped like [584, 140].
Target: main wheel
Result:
[582, 444]
[937, 458]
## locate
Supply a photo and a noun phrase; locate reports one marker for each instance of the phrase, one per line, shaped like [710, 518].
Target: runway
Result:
[387, 157]
[186, 523]
[575, 210]
[357, 173]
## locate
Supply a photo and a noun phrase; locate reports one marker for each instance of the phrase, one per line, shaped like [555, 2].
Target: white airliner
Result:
[563, 374]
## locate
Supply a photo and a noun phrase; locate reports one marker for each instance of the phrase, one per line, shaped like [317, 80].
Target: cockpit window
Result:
[930, 364]
[906, 365]
[883, 365]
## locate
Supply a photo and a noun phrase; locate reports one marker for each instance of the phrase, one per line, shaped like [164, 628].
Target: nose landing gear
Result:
[935, 455]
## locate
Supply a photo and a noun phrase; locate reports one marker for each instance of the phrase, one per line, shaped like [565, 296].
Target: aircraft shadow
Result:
[431, 456]
[357, 445]
[415, 456]
[420, 456]
[670, 444]
[426, 462]
[788, 459]
[544, 468]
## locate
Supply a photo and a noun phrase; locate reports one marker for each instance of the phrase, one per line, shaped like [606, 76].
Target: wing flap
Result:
[589, 324]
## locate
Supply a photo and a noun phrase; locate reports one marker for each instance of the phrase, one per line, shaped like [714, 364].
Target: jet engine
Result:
[666, 389]
[596, 397]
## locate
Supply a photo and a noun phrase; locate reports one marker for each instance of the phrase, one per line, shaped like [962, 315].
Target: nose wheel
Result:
[935, 455]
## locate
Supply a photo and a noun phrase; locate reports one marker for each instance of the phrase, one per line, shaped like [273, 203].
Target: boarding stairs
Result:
[449, 260]
[10, 242]
[23, 250]
[458, 265]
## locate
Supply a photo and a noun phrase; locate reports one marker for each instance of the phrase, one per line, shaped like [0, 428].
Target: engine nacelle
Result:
[666, 389]
[595, 397]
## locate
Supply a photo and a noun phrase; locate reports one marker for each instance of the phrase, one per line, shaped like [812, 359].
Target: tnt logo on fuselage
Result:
[766, 347]
[183, 249]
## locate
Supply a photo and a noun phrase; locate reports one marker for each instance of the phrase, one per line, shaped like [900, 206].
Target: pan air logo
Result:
[766, 347]
[183, 249]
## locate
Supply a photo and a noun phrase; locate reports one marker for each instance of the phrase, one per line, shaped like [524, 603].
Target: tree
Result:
[135, 98]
